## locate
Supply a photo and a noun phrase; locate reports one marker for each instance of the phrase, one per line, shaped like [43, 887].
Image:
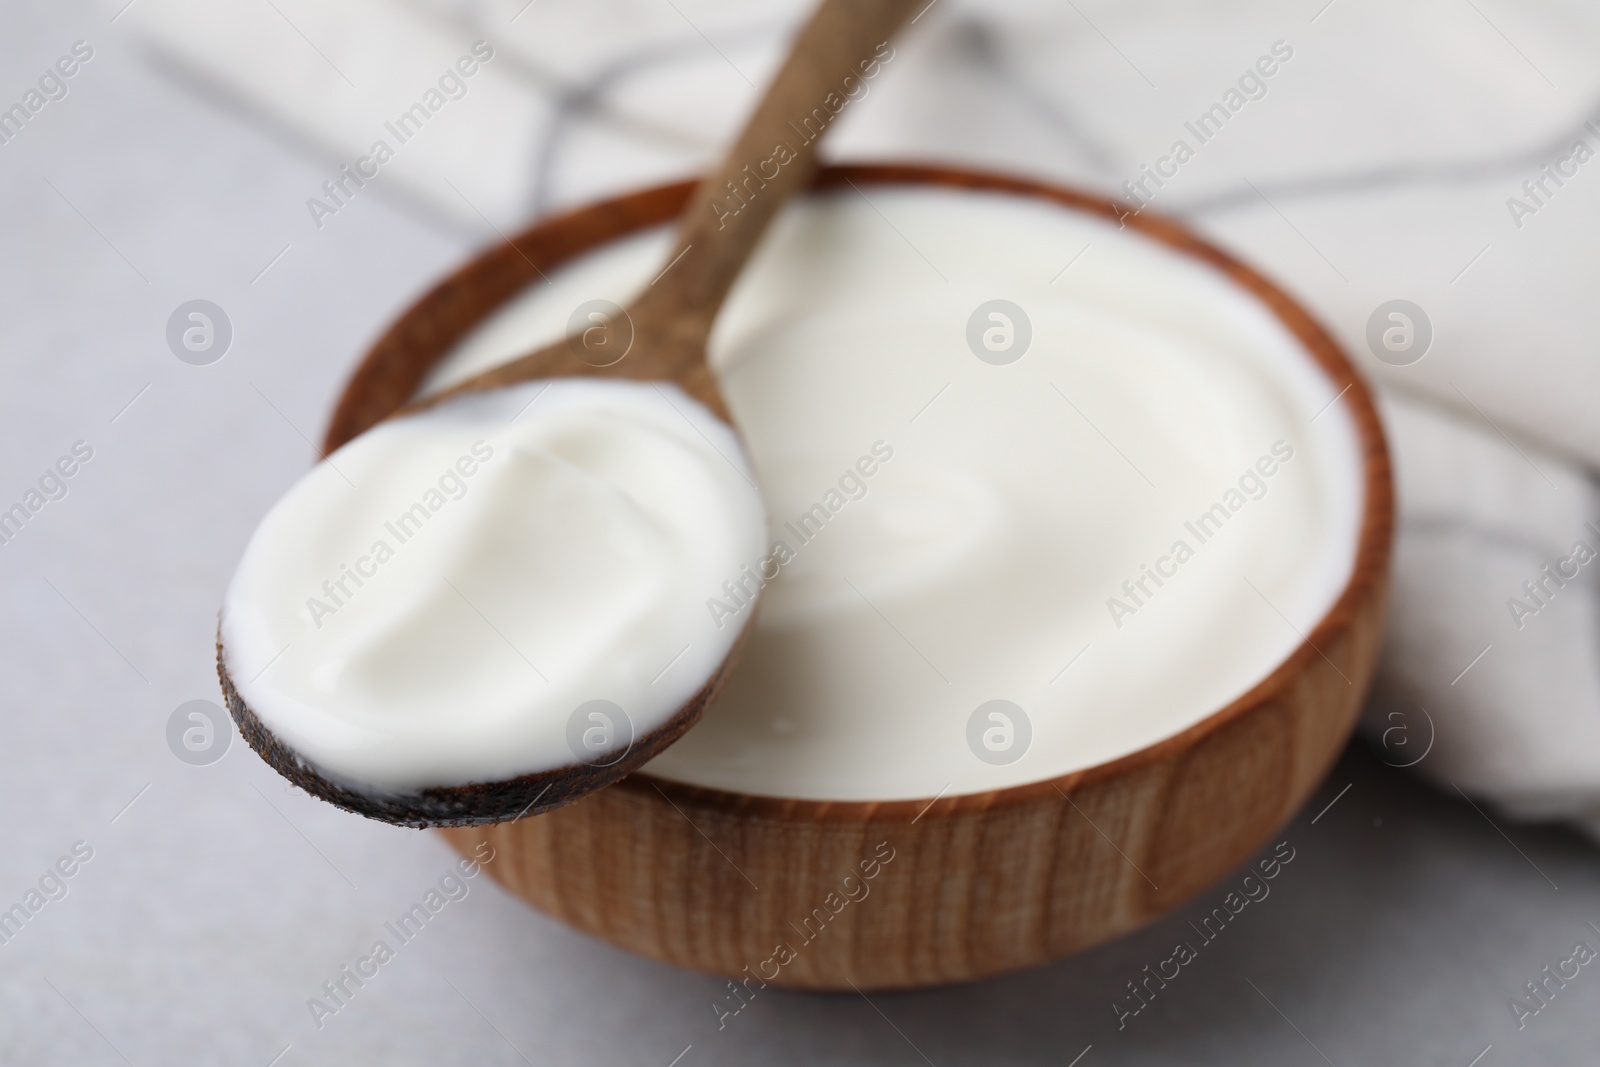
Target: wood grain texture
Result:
[978, 884]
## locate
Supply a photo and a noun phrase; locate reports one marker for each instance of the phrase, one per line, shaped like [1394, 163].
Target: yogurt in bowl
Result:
[1015, 458]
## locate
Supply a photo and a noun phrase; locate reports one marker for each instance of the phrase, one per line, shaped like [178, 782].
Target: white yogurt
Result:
[432, 604]
[1006, 543]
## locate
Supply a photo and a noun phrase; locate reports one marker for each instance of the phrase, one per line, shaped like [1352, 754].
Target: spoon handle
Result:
[841, 47]
[834, 56]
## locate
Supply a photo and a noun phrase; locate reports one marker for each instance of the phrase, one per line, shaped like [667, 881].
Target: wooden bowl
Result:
[918, 892]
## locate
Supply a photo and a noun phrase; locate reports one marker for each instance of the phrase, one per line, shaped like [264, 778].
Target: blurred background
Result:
[1433, 160]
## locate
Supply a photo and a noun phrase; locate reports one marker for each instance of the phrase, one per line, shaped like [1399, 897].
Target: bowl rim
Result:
[392, 366]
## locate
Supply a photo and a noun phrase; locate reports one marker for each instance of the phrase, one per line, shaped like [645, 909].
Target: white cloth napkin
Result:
[1495, 621]
[1392, 153]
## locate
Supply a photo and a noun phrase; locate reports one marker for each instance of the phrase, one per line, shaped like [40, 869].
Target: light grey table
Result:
[215, 902]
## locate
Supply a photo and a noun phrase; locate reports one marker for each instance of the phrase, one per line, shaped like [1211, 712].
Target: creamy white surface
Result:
[570, 532]
[1018, 499]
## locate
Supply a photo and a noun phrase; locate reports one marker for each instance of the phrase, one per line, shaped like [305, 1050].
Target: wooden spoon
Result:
[662, 336]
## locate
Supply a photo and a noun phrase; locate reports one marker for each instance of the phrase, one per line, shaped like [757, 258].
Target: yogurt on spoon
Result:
[503, 585]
